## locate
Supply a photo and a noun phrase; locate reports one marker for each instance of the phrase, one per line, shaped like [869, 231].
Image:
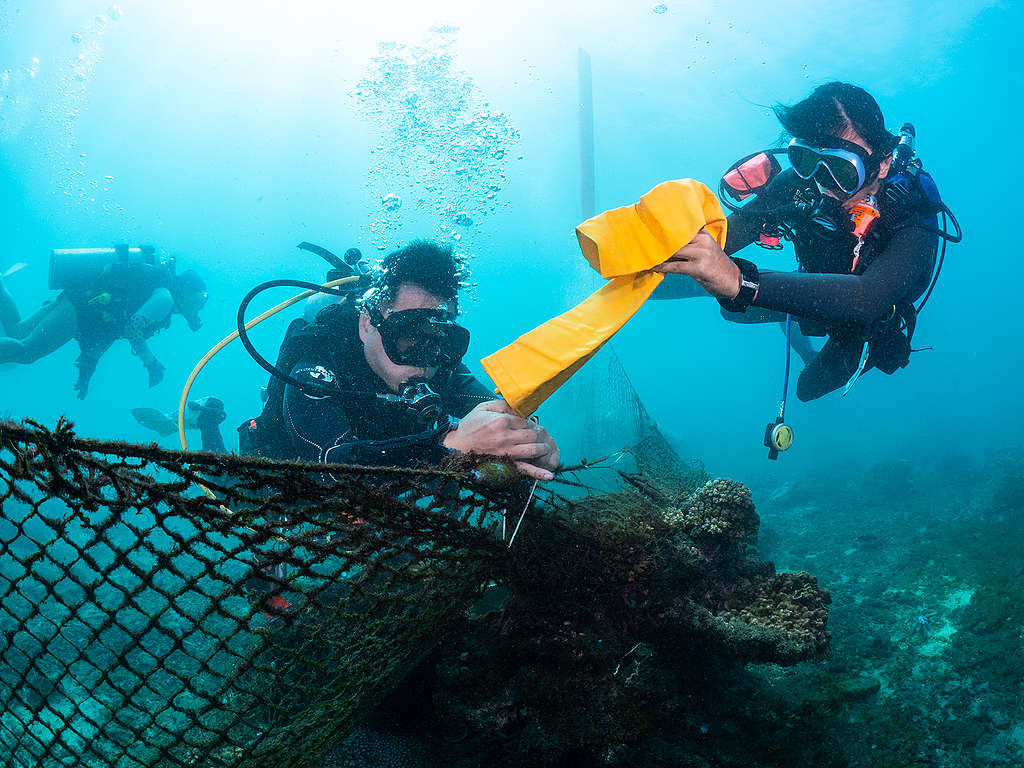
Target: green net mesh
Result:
[143, 623]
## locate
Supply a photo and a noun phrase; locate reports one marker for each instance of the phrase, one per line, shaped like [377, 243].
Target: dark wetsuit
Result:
[360, 428]
[830, 297]
[124, 294]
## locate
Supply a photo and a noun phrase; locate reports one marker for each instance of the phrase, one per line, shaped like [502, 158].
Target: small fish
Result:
[14, 268]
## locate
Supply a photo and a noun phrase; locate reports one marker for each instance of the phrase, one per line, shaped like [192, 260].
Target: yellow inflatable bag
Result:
[623, 245]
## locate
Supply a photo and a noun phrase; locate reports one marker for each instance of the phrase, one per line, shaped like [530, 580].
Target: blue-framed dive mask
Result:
[833, 163]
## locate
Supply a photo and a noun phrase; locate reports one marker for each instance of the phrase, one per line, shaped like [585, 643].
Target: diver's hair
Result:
[435, 267]
[831, 110]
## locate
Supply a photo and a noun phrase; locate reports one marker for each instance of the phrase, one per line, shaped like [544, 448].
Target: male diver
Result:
[862, 216]
[108, 294]
[381, 382]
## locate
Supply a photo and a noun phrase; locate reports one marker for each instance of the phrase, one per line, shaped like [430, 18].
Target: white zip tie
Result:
[528, 500]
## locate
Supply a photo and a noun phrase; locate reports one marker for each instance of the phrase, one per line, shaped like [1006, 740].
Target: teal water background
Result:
[228, 132]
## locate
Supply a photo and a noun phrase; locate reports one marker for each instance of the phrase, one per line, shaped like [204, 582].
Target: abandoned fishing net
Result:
[143, 623]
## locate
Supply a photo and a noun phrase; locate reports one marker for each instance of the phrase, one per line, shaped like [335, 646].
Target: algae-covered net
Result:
[143, 623]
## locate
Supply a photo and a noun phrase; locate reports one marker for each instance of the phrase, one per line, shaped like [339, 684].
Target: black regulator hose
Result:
[314, 388]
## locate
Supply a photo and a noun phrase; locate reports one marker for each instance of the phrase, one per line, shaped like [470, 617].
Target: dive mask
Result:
[843, 168]
[424, 338]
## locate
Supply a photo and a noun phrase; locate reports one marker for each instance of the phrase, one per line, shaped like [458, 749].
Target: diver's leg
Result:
[829, 370]
[29, 324]
[55, 328]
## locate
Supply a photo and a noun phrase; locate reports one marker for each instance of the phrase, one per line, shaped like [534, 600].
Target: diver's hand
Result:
[156, 372]
[85, 371]
[82, 385]
[494, 429]
[704, 260]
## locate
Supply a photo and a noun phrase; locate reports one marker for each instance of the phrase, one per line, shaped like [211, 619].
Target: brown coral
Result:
[720, 510]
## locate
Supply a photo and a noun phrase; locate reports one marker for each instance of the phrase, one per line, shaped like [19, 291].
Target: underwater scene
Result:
[531, 384]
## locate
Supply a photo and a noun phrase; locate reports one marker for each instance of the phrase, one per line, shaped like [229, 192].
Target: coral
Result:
[721, 510]
[623, 607]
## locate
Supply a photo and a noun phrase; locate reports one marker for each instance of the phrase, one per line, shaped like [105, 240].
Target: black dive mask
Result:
[424, 338]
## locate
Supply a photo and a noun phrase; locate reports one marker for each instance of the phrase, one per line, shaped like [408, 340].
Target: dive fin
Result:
[14, 268]
[161, 423]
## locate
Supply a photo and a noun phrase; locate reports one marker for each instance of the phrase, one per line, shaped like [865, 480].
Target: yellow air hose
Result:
[183, 402]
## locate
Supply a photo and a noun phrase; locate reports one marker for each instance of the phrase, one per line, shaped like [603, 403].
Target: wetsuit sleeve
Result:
[858, 299]
[744, 227]
[465, 392]
[158, 307]
[320, 430]
[154, 311]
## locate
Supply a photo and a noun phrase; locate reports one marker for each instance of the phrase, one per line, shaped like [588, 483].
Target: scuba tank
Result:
[78, 267]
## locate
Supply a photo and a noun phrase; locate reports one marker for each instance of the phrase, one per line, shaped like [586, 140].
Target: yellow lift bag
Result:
[623, 245]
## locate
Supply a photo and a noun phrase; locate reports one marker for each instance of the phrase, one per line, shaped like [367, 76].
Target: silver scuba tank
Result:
[78, 267]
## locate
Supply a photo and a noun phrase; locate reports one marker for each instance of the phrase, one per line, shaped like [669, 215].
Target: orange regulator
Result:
[863, 215]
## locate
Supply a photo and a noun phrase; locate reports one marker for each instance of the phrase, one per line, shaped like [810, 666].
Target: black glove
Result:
[86, 368]
[156, 372]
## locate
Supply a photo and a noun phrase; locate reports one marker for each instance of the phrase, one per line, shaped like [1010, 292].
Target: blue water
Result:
[228, 134]
[225, 133]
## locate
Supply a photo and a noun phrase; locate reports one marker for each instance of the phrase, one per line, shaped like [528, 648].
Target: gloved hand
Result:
[82, 385]
[85, 371]
[156, 372]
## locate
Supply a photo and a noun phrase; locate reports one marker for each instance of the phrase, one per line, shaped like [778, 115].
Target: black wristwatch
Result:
[750, 280]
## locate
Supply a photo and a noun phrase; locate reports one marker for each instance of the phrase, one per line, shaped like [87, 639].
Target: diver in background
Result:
[131, 297]
[855, 287]
[383, 384]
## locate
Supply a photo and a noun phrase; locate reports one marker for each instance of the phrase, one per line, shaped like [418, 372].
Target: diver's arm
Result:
[154, 311]
[744, 227]
[406, 451]
[859, 299]
[320, 432]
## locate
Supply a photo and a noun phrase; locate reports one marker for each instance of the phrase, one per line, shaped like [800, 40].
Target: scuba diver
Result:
[862, 215]
[107, 294]
[380, 381]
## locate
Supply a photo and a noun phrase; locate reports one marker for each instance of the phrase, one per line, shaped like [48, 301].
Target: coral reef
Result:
[621, 609]
[722, 510]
